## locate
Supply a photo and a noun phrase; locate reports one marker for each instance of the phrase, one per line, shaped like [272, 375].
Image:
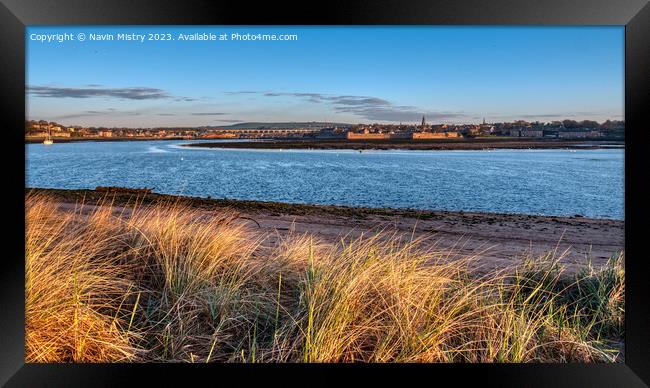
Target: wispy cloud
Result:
[208, 114]
[232, 93]
[96, 113]
[367, 107]
[399, 113]
[185, 99]
[230, 121]
[131, 93]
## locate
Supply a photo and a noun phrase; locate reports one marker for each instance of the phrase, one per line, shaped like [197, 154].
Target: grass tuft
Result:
[170, 283]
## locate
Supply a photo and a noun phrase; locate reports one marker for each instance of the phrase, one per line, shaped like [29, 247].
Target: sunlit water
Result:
[549, 182]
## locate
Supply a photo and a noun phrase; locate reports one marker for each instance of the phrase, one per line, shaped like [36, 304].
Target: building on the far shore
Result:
[526, 132]
[402, 135]
[579, 134]
[434, 135]
[367, 136]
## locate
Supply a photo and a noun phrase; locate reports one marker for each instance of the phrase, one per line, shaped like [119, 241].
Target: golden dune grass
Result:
[168, 283]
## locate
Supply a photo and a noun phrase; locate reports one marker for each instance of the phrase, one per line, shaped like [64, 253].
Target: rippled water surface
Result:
[550, 182]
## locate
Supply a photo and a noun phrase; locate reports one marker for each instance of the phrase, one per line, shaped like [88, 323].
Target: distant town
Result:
[37, 130]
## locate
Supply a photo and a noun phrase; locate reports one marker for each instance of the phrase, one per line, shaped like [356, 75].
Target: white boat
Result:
[48, 140]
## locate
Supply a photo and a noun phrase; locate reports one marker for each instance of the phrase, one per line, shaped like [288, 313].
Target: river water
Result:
[546, 182]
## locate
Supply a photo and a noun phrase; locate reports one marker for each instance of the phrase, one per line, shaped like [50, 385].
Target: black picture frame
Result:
[15, 15]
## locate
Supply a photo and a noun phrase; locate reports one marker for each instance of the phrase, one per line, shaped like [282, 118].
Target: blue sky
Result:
[343, 74]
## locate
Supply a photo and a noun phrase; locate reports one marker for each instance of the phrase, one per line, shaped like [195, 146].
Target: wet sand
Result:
[423, 145]
[497, 240]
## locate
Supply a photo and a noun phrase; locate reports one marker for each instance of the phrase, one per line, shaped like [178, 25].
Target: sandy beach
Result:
[496, 240]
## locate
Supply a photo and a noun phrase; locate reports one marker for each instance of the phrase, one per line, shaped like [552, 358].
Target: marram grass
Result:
[167, 283]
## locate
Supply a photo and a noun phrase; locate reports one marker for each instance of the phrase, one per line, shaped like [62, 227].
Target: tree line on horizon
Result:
[567, 123]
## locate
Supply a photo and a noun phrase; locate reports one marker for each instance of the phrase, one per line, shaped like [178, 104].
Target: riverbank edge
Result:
[420, 145]
[90, 196]
[36, 140]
